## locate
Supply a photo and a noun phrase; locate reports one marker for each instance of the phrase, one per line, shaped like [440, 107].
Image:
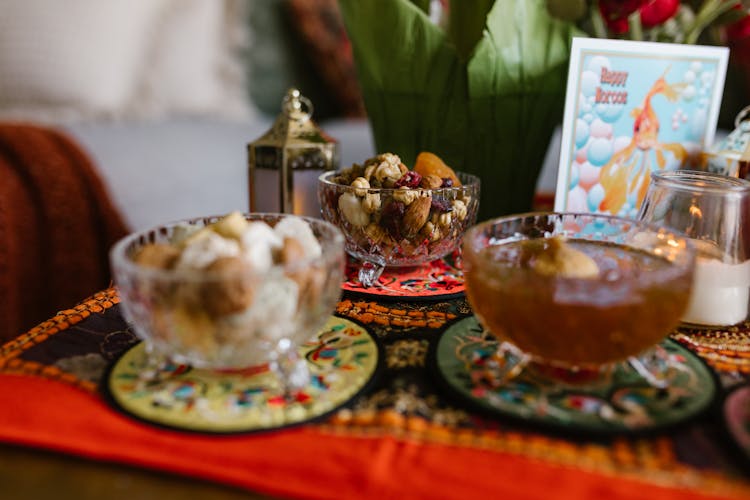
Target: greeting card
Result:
[632, 108]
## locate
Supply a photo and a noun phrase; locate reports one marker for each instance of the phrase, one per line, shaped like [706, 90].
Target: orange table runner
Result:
[391, 442]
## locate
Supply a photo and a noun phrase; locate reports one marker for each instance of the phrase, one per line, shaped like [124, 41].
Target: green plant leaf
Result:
[491, 115]
[468, 19]
[424, 5]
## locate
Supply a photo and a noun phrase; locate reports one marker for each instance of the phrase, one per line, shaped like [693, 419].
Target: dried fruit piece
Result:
[391, 216]
[430, 164]
[409, 179]
[441, 204]
[554, 257]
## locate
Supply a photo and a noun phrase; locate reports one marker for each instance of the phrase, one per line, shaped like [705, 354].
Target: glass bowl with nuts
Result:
[394, 216]
[230, 292]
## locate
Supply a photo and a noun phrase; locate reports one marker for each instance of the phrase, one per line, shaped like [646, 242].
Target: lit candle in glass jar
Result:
[721, 293]
[714, 211]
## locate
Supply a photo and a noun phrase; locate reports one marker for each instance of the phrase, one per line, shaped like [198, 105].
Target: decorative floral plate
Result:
[438, 279]
[620, 401]
[736, 412]
[342, 359]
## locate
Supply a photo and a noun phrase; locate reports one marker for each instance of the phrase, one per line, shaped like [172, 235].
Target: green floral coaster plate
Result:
[342, 360]
[619, 401]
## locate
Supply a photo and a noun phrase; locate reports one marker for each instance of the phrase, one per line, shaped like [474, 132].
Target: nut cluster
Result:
[388, 208]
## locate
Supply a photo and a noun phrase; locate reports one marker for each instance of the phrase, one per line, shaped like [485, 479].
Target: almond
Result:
[431, 181]
[416, 215]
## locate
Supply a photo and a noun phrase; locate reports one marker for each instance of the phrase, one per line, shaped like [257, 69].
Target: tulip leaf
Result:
[489, 110]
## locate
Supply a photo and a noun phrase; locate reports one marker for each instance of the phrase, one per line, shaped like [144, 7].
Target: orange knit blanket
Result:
[56, 226]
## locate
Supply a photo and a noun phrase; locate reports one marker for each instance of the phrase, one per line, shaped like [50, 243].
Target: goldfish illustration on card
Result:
[633, 108]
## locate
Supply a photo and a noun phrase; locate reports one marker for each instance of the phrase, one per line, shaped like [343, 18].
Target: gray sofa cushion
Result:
[168, 170]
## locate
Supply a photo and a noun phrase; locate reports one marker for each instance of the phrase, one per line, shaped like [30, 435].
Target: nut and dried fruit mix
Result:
[384, 207]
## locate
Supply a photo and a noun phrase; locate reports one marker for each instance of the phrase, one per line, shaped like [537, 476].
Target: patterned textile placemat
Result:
[440, 279]
[404, 422]
[727, 349]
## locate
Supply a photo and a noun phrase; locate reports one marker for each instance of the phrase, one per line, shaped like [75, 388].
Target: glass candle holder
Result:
[714, 212]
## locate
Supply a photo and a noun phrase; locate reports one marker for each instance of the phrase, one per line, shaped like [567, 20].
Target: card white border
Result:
[649, 50]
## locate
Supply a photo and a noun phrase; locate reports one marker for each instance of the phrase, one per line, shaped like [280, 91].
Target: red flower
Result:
[740, 29]
[656, 12]
[616, 12]
[738, 39]
[653, 12]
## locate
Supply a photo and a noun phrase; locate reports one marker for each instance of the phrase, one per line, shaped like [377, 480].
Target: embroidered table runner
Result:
[404, 436]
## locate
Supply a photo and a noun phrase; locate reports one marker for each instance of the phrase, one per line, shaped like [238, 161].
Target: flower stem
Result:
[708, 13]
[636, 29]
[597, 22]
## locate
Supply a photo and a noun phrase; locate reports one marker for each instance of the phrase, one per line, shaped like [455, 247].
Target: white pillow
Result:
[72, 59]
[195, 66]
[83, 60]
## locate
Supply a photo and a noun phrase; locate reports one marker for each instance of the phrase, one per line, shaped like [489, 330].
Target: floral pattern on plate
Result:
[439, 278]
[608, 402]
[342, 359]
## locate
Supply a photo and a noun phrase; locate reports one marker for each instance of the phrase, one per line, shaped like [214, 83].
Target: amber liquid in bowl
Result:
[632, 304]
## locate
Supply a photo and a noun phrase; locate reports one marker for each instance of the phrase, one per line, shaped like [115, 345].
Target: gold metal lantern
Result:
[284, 163]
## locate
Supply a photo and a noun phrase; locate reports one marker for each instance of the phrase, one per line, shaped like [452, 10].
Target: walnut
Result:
[459, 209]
[371, 203]
[369, 171]
[375, 233]
[430, 231]
[360, 185]
[387, 171]
[445, 219]
[405, 195]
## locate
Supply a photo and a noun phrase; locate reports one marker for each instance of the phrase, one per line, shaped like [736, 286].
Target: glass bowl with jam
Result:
[577, 291]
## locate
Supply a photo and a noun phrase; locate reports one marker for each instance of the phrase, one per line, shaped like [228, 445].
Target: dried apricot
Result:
[430, 164]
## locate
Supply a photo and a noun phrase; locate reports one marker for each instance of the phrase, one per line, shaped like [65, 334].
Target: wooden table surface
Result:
[40, 475]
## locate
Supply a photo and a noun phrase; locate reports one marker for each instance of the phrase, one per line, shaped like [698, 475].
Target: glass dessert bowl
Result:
[230, 292]
[415, 219]
[577, 291]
